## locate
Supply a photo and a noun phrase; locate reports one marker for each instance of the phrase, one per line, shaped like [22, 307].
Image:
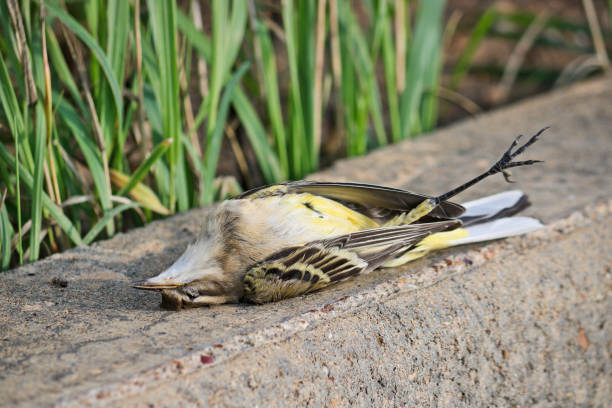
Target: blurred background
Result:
[115, 113]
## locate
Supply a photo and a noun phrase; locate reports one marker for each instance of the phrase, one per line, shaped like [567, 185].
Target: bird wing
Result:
[408, 234]
[297, 270]
[367, 197]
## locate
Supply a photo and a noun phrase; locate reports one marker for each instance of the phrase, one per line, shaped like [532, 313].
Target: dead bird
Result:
[285, 240]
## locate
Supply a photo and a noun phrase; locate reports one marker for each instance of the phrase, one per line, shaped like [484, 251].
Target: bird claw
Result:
[528, 143]
[506, 161]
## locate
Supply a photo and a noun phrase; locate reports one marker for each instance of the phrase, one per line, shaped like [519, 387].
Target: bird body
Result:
[290, 239]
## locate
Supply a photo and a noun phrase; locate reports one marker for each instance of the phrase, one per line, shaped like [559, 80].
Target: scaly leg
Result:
[502, 164]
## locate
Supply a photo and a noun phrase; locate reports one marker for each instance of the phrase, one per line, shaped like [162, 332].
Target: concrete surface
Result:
[522, 321]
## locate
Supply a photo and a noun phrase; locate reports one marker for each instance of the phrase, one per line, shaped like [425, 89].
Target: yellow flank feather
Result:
[433, 242]
[442, 240]
[407, 257]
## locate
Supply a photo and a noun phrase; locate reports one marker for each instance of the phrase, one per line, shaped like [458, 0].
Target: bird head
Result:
[197, 278]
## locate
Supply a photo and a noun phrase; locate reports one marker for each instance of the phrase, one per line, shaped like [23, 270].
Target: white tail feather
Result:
[501, 228]
[491, 204]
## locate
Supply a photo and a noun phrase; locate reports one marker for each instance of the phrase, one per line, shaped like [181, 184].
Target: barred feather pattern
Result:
[299, 270]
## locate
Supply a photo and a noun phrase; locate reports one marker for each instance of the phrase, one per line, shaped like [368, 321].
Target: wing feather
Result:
[376, 237]
[297, 270]
[367, 196]
[303, 270]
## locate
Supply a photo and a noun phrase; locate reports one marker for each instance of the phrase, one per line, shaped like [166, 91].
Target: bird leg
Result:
[501, 166]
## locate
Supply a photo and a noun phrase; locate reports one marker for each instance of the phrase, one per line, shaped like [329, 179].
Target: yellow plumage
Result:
[430, 243]
[320, 213]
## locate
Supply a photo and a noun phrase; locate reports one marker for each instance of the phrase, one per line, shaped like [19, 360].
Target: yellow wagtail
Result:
[286, 240]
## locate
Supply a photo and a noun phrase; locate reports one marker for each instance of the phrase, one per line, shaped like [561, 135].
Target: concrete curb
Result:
[183, 372]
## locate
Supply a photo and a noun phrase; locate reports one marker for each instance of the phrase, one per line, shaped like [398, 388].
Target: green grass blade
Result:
[54, 211]
[118, 159]
[61, 69]
[37, 187]
[227, 32]
[235, 34]
[183, 182]
[367, 76]
[162, 178]
[144, 168]
[198, 165]
[352, 89]
[68, 115]
[429, 104]
[163, 27]
[117, 30]
[79, 31]
[8, 101]
[275, 112]
[389, 56]
[9, 41]
[423, 55]
[202, 44]
[479, 32]
[153, 114]
[195, 37]
[220, 10]
[16, 122]
[298, 144]
[213, 145]
[305, 22]
[365, 62]
[99, 226]
[140, 193]
[94, 16]
[6, 235]
[266, 158]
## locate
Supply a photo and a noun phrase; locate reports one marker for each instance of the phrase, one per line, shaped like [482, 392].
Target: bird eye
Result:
[191, 292]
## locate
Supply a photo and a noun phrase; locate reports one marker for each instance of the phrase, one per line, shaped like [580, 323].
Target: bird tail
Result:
[485, 219]
[496, 229]
[493, 207]
[491, 218]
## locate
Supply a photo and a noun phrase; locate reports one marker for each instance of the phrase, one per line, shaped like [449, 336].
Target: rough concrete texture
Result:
[523, 321]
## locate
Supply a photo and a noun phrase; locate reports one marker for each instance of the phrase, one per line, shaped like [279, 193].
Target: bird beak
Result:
[148, 285]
